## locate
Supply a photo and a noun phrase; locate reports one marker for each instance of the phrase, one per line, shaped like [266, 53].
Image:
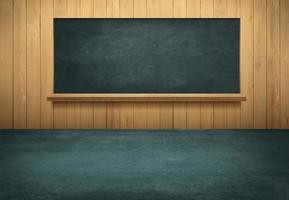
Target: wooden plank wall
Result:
[26, 59]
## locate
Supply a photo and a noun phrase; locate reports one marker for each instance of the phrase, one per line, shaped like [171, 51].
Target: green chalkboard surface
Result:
[146, 55]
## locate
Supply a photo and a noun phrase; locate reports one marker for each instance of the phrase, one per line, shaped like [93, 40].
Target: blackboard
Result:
[146, 55]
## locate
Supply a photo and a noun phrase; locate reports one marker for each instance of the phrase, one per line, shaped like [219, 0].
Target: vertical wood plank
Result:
[113, 115]
[207, 113]
[99, 115]
[73, 8]
[20, 68]
[220, 8]
[246, 63]
[60, 8]
[193, 8]
[180, 8]
[166, 115]
[220, 115]
[86, 115]
[59, 118]
[193, 115]
[180, 115]
[126, 9]
[284, 56]
[140, 115]
[100, 8]
[6, 65]
[207, 8]
[166, 8]
[112, 8]
[153, 115]
[99, 109]
[33, 64]
[260, 71]
[233, 116]
[273, 64]
[87, 8]
[153, 8]
[140, 8]
[46, 62]
[126, 116]
[233, 8]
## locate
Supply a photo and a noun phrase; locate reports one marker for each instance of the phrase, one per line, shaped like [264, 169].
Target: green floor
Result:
[144, 165]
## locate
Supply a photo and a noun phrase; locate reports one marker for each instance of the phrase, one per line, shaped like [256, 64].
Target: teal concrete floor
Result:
[144, 165]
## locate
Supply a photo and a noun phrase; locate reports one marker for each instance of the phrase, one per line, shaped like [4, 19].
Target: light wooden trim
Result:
[146, 97]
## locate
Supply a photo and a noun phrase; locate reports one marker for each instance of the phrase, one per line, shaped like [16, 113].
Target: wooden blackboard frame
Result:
[138, 97]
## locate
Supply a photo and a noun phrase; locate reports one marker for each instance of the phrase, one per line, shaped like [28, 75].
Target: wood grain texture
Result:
[284, 59]
[180, 115]
[273, 64]
[6, 65]
[20, 64]
[33, 65]
[166, 115]
[99, 115]
[140, 115]
[247, 63]
[260, 65]
[100, 8]
[193, 8]
[26, 67]
[46, 58]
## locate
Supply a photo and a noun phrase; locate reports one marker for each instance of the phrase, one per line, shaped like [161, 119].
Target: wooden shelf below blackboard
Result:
[146, 97]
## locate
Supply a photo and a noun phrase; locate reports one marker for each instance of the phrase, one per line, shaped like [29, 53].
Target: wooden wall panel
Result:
[260, 65]
[246, 63]
[6, 64]
[273, 64]
[284, 60]
[19, 64]
[26, 65]
[33, 64]
[46, 46]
